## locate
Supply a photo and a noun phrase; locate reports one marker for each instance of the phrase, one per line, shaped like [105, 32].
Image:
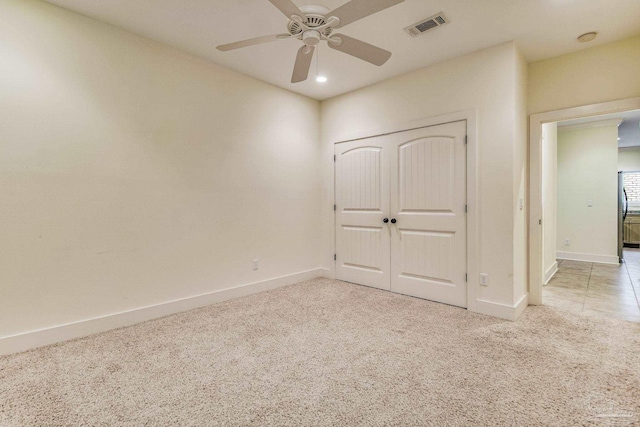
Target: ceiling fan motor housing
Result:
[314, 16]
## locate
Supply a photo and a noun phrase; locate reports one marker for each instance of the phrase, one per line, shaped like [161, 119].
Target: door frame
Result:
[535, 178]
[473, 237]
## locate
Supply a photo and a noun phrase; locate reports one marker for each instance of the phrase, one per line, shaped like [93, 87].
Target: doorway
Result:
[578, 270]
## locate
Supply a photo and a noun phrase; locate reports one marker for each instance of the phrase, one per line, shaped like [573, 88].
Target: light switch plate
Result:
[484, 279]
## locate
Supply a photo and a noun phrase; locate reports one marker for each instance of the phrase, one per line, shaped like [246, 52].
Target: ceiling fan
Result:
[313, 23]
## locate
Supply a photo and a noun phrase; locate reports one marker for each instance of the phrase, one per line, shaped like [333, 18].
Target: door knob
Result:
[386, 220]
[393, 221]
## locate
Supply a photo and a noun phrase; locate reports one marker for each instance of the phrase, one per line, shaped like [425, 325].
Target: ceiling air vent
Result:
[425, 25]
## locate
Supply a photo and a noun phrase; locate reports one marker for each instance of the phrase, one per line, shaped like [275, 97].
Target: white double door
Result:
[401, 212]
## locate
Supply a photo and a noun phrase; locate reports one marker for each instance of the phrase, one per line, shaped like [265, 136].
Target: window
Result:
[631, 182]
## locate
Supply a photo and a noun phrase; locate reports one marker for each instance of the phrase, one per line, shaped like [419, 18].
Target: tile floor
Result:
[597, 289]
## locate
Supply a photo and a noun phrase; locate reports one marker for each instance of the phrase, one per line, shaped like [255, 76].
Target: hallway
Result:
[597, 289]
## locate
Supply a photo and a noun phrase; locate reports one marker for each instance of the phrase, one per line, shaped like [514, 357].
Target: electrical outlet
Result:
[567, 242]
[484, 279]
[255, 264]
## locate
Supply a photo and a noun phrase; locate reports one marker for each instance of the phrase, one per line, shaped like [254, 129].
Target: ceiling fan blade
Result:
[287, 7]
[358, 9]
[251, 42]
[303, 64]
[359, 49]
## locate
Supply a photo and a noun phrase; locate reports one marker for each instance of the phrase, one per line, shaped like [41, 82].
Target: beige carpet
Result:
[330, 353]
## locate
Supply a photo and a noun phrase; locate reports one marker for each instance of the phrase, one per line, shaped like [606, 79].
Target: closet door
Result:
[428, 198]
[362, 203]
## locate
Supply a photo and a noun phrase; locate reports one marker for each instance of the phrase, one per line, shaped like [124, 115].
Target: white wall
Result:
[549, 198]
[588, 171]
[491, 81]
[133, 174]
[597, 75]
[600, 74]
[629, 159]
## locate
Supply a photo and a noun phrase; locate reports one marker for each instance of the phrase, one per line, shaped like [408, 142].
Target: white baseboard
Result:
[521, 305]
[28, 340]
[574, 256]
[503, 311]
[327, 273]
[551, 271]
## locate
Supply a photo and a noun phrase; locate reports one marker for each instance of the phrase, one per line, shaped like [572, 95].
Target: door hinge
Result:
[466, 208]
[466, 139]
[335, 257]
[334, 207]
[539, 222]
[334, 158]
[466, 277]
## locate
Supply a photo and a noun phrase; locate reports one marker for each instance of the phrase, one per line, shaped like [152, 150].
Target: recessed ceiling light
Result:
[321, 79]
[587, 37]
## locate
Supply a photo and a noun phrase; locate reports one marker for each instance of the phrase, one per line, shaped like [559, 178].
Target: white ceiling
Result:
[629, 131]
[542, 29]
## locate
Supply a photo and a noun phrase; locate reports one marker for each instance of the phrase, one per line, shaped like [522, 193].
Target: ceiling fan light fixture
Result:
[311, 38]
[321, 79]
